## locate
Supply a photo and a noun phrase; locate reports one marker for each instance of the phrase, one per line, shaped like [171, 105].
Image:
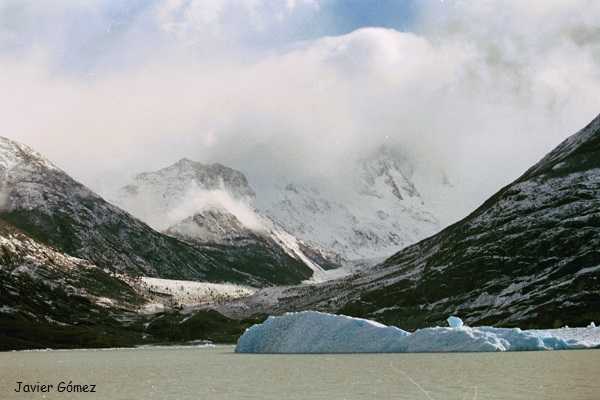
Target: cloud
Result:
[198, 200]
[480, 90]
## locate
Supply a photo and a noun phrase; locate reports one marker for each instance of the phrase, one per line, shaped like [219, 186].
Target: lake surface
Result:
[218, 373]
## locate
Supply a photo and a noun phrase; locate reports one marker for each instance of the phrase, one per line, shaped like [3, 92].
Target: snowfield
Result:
[316, 332]
[171, 293]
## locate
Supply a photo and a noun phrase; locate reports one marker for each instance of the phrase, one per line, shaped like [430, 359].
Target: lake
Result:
[218, 373]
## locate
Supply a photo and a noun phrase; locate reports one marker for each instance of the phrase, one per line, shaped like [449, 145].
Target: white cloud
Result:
[198, 200]
[480, 89]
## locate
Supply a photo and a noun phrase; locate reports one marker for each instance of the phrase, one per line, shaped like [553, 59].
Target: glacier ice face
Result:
[316, 332]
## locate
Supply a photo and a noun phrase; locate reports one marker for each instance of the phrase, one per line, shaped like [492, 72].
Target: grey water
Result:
[218, 373]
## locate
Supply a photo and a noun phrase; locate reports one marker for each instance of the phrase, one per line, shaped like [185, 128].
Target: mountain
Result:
[213, 226]
[210, 207]
[48, 205]
[165, 197]
[217, 231]
[529, 257]
[384, 203]
[49, 299]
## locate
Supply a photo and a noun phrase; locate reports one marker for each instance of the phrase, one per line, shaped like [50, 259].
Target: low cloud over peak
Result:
[477, 90]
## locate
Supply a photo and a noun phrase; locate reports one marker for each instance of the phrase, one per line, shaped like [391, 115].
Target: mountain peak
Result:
[187, 186]
[185, 162]
[186, 172]
[189, 164]
[574, 153]
[13, 153]
[393, 169]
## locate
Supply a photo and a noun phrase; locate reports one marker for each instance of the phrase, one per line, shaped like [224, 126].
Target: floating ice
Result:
[592, 325]
[315, 332]
[455, 322]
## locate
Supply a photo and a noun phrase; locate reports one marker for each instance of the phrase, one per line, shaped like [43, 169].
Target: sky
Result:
[478, 89]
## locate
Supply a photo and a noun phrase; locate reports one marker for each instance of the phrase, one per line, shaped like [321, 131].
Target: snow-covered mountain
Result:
[49, 299]
[211, 206]
[384, 203]
[45, 202]
[213, 225]
[54, 209]
[528, 257]
[165, 197]
[45, 296]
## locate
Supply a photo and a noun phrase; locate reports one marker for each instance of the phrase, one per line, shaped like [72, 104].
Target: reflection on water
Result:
[218, 373]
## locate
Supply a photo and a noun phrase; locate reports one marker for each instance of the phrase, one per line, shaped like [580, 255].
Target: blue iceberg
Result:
[455, 322]
[316, 332]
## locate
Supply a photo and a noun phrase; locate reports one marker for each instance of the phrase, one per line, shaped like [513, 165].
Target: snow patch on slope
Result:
[172, 292]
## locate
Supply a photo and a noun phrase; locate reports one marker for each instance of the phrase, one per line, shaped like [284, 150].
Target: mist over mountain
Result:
[383, 202]
[212, 206]
[528, 256]
[46, 203]
[454, 85]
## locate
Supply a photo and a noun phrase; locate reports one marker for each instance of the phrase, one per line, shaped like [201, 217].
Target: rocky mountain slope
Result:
[216, 231]
[51, 207]
[385, 204]
[211, 208]
[529, 256]
[48, 299]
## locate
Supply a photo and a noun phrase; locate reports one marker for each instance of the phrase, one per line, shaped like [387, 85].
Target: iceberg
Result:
[317, 332]
[455, 322]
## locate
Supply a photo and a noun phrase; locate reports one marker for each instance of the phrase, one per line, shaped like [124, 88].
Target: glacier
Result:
[318, 332]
